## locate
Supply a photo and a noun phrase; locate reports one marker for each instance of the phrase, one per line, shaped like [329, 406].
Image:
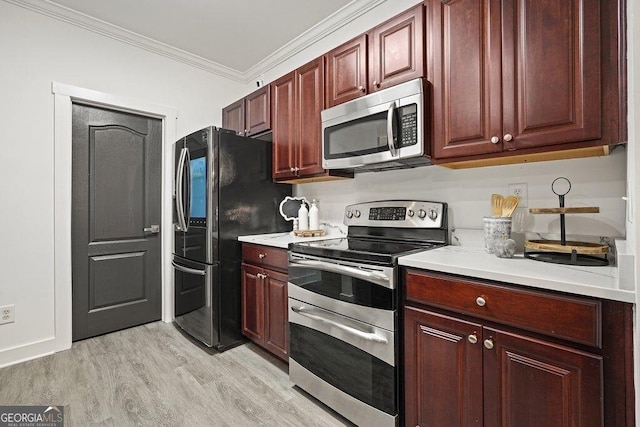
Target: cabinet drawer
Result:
[575, 319]
[265, 256]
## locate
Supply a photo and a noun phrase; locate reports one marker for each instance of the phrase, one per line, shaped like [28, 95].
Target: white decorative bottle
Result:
[314, 220]
[303, 217]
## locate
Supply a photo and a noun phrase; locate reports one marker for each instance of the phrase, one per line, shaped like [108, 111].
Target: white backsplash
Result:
[598, 181]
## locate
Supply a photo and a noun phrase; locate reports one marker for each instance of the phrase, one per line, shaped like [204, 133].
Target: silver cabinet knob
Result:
[473, 338]
[481, 301]
[362, 89]
[422, 213]
[297, 169]
[376, 84]
[495, 139]
[292, 169]
[488, 343]
[508, 137]
[261, 255]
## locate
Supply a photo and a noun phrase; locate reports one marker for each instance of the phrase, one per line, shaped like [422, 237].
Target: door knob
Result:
[473, 338]
[376, 84]
[495, 139]
[154, 229]
[508, 137]
[362, 89]
[488, 343]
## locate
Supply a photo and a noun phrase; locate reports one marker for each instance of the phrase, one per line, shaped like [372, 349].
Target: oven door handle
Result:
[370, 276]
[353, 331]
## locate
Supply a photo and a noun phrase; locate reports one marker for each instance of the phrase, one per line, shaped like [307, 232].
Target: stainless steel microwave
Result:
[380, 131]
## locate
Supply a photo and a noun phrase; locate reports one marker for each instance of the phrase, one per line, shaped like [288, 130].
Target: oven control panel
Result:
[396, 213]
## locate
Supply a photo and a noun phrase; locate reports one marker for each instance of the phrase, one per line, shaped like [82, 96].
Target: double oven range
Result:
[343, 307]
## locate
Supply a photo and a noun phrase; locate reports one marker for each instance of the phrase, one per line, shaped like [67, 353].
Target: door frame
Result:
[64, 96]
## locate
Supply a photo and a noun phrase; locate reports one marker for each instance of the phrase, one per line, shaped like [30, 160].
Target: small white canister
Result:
[496, 229]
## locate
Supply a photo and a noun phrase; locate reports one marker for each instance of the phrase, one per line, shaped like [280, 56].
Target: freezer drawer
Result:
[194, 308]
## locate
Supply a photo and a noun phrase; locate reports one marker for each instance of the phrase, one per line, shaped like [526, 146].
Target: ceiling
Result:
[231, 37]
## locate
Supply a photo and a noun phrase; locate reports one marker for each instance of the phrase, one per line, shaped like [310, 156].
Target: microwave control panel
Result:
[409, 125]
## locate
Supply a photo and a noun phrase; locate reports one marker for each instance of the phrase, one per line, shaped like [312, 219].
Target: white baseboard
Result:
[29, 351]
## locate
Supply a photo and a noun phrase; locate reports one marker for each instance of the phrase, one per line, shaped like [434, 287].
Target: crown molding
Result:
[335, 21]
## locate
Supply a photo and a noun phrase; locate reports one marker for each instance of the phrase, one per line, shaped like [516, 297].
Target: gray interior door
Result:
[116, 192]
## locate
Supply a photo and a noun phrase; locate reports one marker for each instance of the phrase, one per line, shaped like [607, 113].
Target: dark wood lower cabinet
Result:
[465, 364]
[459, 373]
[443, 370]
[265, 298]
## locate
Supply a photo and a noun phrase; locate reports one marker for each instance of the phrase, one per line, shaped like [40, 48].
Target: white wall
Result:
[37, 50]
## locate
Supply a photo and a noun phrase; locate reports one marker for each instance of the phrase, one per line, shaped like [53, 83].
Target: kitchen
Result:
[42, 50]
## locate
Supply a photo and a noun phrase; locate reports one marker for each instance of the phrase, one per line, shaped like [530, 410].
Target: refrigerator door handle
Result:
[180, 189]
[186, 212]
[188, 270]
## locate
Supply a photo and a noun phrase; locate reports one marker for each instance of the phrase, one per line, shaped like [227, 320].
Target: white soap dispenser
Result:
[314, 220]
[303, 217]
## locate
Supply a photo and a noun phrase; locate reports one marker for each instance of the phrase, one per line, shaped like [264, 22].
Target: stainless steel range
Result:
[343, 307]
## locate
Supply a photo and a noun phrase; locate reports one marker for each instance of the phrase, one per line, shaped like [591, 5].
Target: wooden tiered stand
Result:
[562, 251]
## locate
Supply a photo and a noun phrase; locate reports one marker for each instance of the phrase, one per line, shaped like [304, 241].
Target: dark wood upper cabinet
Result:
[396, 50]
[520, 75]
[309, 104]
[283, 100]
[297, 100]
[389, 54]
[250, 115]
[347, 71]
[233, 117]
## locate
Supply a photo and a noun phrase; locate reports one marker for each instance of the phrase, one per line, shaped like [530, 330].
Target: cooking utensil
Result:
[496, 204]
[509, 204]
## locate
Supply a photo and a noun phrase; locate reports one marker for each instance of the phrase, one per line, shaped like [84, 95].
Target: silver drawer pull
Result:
[481, 301]
[473, 338]
[353, 331]
[188, 270]
[488, 344]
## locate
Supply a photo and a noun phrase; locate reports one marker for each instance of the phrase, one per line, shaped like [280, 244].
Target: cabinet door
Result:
[397, 50]
[252, 303]
[284, 126]
[258, 111]
[466, 75]
[533, 383]
[347, 71]
[309, 104]
[276, 329]
[233, 117]
[551, 72]
[443, 370]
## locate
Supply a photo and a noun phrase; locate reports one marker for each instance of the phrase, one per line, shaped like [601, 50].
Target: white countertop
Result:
[282, 240]
[473, 261]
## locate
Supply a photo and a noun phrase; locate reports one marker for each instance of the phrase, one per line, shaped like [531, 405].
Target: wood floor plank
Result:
[154, 375]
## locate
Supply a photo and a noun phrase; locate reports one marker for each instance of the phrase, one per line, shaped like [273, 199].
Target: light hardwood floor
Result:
[154, 375]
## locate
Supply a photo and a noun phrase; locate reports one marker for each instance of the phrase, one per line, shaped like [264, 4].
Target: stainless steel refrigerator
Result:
[222, 189]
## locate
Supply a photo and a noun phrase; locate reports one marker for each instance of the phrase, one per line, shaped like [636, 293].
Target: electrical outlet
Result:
[7, 314]
[521, 192]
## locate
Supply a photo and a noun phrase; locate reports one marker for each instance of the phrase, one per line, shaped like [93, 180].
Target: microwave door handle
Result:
[353, 331]
[370, 276]
[180, 190]
[390, 140]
